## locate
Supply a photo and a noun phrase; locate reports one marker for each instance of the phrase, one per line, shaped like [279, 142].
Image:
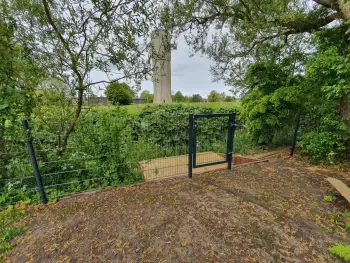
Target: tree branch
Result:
[328, 3]
[117, 79]
[57, 32]
[303, 26]
[250, 49]
[64, 42]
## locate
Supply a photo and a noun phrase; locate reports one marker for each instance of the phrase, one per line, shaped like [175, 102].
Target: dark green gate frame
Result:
[192, 143]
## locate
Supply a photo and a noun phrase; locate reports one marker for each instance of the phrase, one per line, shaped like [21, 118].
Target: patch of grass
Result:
[7, 230]
[328, 198]
[341, 250]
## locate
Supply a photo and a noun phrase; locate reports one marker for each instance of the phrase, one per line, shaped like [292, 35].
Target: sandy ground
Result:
[266, 212]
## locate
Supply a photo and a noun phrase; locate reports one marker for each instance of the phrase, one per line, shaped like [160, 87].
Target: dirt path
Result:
[267, 212]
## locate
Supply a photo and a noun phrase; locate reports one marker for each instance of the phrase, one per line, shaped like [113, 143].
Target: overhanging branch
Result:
[332, 4]
[304, 26]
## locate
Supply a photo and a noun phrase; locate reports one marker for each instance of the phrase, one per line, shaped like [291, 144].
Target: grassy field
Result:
[137, 108]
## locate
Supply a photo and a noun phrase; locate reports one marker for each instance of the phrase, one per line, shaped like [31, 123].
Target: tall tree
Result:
[119, 93]
[214, 96]
[73, 39]
[237, 33]
[245, 31]
[197, 98]
[178, 97]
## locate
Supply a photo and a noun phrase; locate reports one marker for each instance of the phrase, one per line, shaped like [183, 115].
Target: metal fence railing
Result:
[35, 164]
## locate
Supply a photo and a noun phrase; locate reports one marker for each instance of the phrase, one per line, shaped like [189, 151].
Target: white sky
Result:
[190, 75]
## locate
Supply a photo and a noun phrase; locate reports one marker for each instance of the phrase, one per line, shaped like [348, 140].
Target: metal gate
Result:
[227, 123]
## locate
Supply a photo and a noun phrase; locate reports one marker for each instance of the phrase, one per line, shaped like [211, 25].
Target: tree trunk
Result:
[73, 123]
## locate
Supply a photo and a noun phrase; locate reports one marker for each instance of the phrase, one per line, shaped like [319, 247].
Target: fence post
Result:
[190, 146]
[34, 162]
[231, 132]
[294, 140]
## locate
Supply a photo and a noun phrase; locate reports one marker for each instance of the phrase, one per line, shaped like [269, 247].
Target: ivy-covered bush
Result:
[168, 124]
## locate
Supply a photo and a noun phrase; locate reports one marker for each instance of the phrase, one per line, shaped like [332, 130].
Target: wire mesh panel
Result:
[101, 150]
[212, 139]
[166, 141]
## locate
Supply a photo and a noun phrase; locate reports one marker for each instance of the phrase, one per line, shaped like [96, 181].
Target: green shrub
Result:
[322, 146]
[168, 125]
[341, 250]
[106, 147]
[119, 93]
[328, 198]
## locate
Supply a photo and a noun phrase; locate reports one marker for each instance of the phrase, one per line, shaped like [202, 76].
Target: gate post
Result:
[231, 132]
[34, 162]
[190, 146]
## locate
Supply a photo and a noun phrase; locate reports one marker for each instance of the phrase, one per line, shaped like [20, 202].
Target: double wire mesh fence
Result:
[102, 152]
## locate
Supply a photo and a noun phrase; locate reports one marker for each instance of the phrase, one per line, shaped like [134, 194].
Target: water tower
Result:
[161, 62]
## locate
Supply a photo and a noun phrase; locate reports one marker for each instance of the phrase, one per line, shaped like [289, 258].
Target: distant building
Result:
[139, 100]
[103, 101]
[96, 101]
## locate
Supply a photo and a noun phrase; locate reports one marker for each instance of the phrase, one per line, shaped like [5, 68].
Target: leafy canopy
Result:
[73, 39]
[147, 95]
[178, 97]
[18, 76]
[215, 96]
[236, 34]
[119, 93]
[197, 98]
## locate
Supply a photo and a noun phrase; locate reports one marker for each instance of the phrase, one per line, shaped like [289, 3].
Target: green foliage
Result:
[105, 148]
[167, 125]
[265, 77]
[323, 147]
[103, 133]
[269, 110]
[328, 198]
[8, 231]
[64, 44]
[178, 97]
[18, 76]
[119, 93]
[147, 95]
[330, 70]
[188, 99]
[341, 250]
[229, 99]
[196, 98]
[54, 106]
[276, 97]
[273, 31]
[214, 96]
